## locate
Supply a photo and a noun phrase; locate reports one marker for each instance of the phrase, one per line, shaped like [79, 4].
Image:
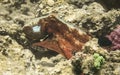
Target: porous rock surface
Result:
[17, 57]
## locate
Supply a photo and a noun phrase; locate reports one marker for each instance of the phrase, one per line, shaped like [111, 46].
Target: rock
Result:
[50, 2]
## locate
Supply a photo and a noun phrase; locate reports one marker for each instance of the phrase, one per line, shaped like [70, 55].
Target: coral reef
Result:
[81, 3]
[10, 57]
[85, 62]
[89, 61]
[19, 57]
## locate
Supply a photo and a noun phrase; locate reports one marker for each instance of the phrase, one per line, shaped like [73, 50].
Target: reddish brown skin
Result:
[64, 40]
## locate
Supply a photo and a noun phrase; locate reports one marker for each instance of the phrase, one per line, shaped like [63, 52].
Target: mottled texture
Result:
[18, 57]
[84, 62]
[81, 3]
[98, 60]
[114, 37]
[61, 37]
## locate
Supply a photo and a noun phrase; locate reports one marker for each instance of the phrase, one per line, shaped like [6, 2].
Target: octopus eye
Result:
[36, 28]
[33, 32]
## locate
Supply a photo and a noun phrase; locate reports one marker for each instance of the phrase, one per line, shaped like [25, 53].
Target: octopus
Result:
[54, 34]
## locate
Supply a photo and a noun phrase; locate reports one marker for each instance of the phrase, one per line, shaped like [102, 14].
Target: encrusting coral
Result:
[98, 60]
[114, 37]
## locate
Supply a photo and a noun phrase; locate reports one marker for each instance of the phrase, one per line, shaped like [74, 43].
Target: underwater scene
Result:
[59, 37]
